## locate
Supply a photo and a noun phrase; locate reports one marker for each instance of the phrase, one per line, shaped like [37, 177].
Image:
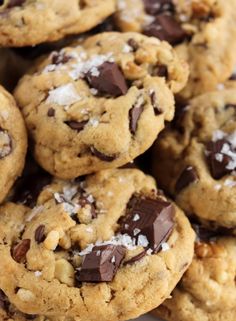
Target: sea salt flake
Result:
[165, 247]
[65, 95]
[37, 273]
[136, 217]
[136, 231]
[142, 241]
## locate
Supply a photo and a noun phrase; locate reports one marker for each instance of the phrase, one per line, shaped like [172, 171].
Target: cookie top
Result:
[100, 104]
[13, 142]
[88, 240]
[195, 159]
[195, 28]
[207, 290]
[26, 22]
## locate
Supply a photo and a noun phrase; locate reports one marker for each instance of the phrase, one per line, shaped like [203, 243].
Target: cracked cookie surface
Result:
[207, 290]
[13, 142]
[100, 104]
[195, 28]
[27, 22]
[46, 250]
[195, 159]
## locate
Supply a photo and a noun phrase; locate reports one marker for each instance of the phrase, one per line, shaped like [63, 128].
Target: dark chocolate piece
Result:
[108, 79]
[76, 125]
[19, 251]
[103, 157]
[149, 220]
[188, 176]
[166, 28]
[101, 264]
[40, 234]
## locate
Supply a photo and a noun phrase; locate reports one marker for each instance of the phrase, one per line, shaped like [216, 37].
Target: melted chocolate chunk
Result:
[136, 258]
[154, 7]
[219, 157]
[107, 79]
[101, 264]
[133, 44]
[188, 176]
[150, 219]
[20, 250]
[60, 58]
[15, 3]
[39, 235]
[233, 76]
[156, 108]
[76, 125]
[160, 71]
[134, 115]
[103, 157]
[51, 112]
[166, 28]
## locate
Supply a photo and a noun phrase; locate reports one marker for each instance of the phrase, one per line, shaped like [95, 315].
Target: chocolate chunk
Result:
[5, 144]
[233, 76]
[160, 71]
[83, 199]
[166, 28]
[101, 264]
[51, 112]
[135, 113]
[135, 258]
[219, 158]
[133, 44]
[107, 79]
[156, 108]
[39, 235]
[15, 3]
[60, 58]
[154, 7]
[103, 157]
[19, 251]
[148, 221]
[188, 176]
[76, 125]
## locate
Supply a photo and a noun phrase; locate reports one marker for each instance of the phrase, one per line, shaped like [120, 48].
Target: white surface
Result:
[147, 317]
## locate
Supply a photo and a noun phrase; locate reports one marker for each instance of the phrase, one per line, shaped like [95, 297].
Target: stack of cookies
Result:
[101, 102]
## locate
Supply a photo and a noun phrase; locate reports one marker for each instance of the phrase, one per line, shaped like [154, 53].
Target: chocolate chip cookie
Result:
[99, 104]
[207, 291]
[13, 142]
[27, 22]
[203, 32]
[195, 159]
[8, 312]
[78, 252]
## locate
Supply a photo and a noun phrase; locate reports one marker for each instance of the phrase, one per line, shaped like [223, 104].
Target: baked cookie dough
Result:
[203, 33]
[78, 252]
[207, 291]
[27, 22]
[99, 104]
[9, 313]
[195, 158]
[13, 142]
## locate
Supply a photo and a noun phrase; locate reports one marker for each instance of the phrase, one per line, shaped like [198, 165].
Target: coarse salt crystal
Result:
[65, 95]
